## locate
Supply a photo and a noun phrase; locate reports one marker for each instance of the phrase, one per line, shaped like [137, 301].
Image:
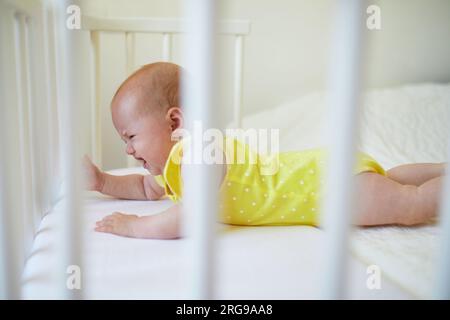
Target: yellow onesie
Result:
[290, 195]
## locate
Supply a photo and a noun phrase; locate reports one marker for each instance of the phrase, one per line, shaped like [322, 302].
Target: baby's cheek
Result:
[156, 152]
[141, 148]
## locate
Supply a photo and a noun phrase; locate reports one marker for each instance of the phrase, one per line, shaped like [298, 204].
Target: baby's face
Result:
[147, 134]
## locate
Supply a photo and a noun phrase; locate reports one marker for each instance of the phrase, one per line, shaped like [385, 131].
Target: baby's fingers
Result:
[118, 214]
[104, 222]
[111, 217]
[100, 223]
[104, 228]
[116, 223]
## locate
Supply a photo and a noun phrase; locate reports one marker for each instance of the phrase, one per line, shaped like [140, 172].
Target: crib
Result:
[50, 91]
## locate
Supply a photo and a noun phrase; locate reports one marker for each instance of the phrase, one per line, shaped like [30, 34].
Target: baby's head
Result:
[146, 111]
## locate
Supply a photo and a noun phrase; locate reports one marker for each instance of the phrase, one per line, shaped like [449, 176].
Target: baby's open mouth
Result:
[144, 163]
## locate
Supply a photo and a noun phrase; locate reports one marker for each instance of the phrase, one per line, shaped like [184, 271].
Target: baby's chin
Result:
[153, 171]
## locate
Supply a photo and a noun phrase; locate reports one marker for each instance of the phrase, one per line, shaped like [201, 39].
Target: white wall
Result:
[286, 54]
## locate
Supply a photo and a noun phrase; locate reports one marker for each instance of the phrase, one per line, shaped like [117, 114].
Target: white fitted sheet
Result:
[253, 262]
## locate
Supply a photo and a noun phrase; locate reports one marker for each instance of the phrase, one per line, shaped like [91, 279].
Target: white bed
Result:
[401, 125]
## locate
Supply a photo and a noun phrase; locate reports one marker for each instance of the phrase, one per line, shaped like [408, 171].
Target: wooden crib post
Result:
[344, 86]
[200, 192]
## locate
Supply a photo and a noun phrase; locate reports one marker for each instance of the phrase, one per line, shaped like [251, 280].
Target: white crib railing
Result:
[199, 97]
[344, 86]
[72, 55]
[39, 122]
[28, 173]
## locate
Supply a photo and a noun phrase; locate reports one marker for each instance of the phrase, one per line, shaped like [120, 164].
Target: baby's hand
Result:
[118, 223]
[94, 178]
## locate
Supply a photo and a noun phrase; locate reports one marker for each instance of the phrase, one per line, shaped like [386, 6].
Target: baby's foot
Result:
[118, 223]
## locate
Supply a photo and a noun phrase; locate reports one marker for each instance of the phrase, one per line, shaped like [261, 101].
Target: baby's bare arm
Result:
[132, 186]
[165, 225]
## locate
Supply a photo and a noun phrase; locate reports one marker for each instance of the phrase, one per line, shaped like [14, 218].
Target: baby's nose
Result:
[129, 149]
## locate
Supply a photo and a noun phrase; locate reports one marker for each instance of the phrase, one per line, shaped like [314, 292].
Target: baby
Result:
[146, 111]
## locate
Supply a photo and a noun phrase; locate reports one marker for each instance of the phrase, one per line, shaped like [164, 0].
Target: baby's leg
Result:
[381, 200]
[416, 173]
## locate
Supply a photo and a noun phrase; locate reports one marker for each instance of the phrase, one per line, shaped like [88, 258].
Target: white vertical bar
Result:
[199, 94]
[129, 43]
[11, 210]
[442, 284]
[71, 64]
[51, 103]
[345, 78]
[24, 100]
[237, 92]
[167, 47]
[4, 239]
[59, 99]
[44, 167]
[34, 117]
[96, 125]
[38, 132]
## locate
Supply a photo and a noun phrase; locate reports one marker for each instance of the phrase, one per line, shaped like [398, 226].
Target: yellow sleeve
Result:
[172, 173]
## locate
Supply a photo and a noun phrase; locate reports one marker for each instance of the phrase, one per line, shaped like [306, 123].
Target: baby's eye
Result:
[131, 137]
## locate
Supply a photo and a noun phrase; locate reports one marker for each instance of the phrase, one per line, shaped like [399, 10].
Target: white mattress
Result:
[253, 262]
[260, 262]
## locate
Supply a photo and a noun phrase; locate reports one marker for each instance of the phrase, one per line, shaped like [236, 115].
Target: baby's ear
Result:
[175, 116]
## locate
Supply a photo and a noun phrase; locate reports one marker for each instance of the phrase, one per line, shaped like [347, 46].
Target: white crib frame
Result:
[38, 107]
